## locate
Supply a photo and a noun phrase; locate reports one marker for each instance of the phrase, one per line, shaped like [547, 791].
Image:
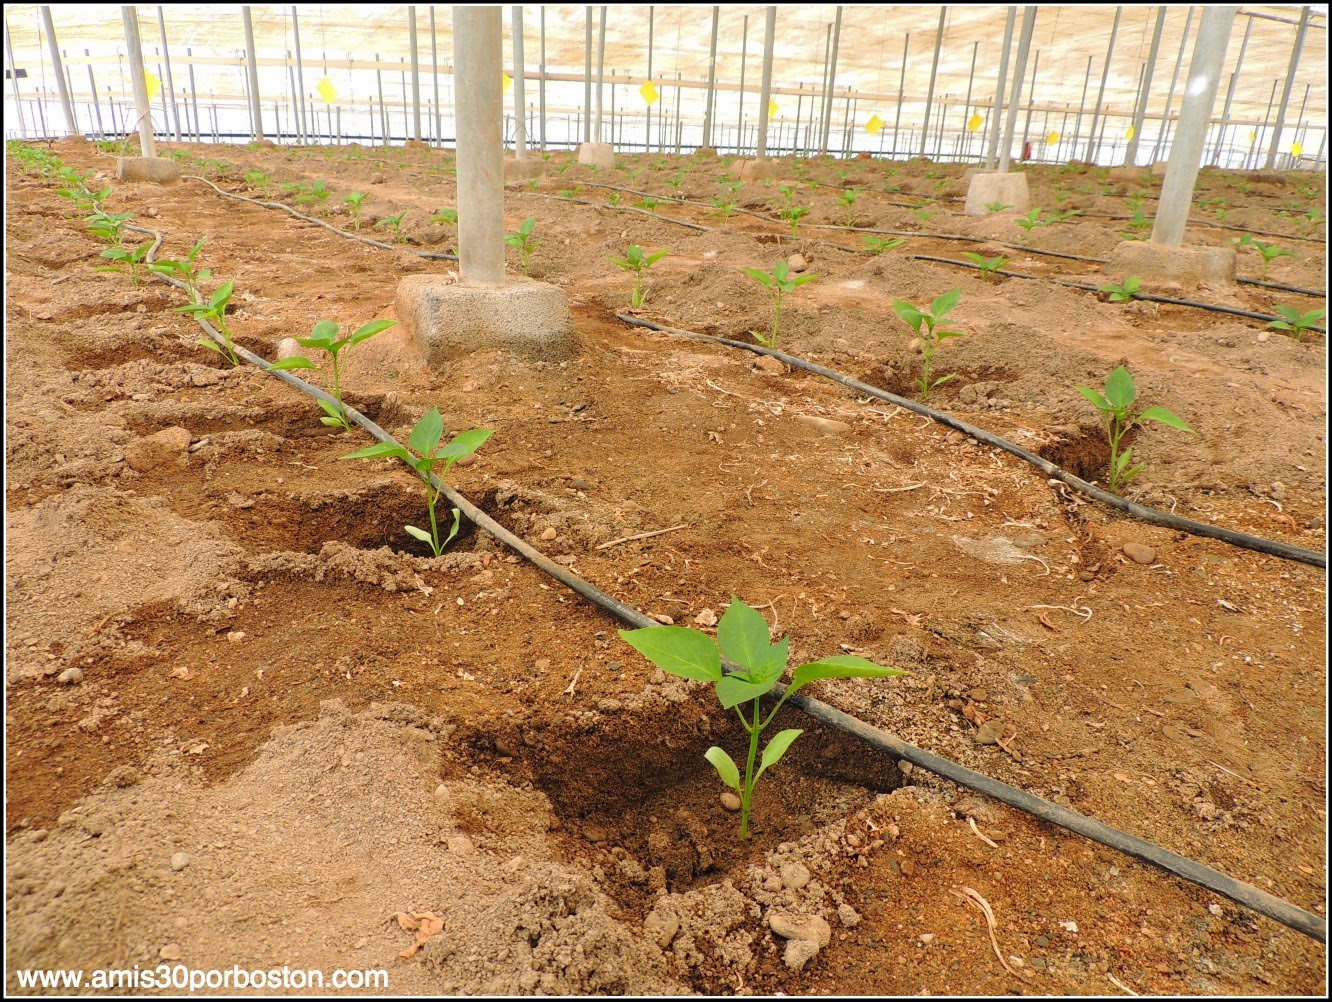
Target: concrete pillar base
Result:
[599, 155]
[706, 151]
[157, 170]
[524, 170]
[449, 320]
[1158, 169]
[1006, 189]
[417, 146]
[1129, 175]
[757, 170]
[1187, 267]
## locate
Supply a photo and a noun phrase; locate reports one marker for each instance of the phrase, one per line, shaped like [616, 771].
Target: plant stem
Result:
[337, 394]
[431, 497]
[748, 791]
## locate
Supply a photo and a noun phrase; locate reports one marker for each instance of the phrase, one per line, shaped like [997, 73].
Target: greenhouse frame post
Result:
[1145, 90]
[1000, 92]
[1170, 93]
[587, 75]
[1230, 95]
[66, 102]
[1251, 158]
[166, 65]
[744, 53]
[252, 75]
[1082, 106]
[541, 88]
[1093, 140]
[13, 79]
[92, 86]
[712, 80]
[829, 88]
[300, 79]
[130, 15]
[1031, 100]
[765, 89]
[601, 73]
[647, 126]
[1209, 53]
[416, 73]
[519, 84]
[1280, 125]
[434, 73]
[1015, 92]
[477, 58]
[966, 113]
[934, 72]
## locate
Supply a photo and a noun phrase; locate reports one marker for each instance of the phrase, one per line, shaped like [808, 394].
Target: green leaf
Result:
[776, 748]
[370, 330]
[379, 449]
[678, 650]
[331, 410]
[420, 534]
[220, 297]
[1119, 388]
[1165, 417]
[465, 443]
[908, 313]
[1096, 399]
[743, 637]
[759, 276]
[457, 518]
[332, 422]
[841, 666]
[210, 344]
[725, 766]
[425, 436]
[1280, 325]
[324, 333]
[736, 689]
[942, 304]
[295, 362]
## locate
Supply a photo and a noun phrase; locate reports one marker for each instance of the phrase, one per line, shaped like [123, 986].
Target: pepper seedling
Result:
[931, 337]
[109, 225]
[1120, 420]
[184, 270]
[324, 336]
[847, 200]
[1296, 322]
[987, 265]
[1269, 252]
[793, 214]
[524, 243]
[878, 245]
[354, 200]
[743, 638]
[121, 255]
[394, 225]
[780, 284]
[637, 262]
[215, 309]
[424, 457]
[1123, 293]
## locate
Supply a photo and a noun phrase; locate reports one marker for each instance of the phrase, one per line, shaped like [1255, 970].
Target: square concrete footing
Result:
[449, 320]
[1188, 267]
[526, 169]
[706, 151]
[1129, 175]
[1005, 189]
[156, 170]
[1159, 167]
[757, 170]
[599, 155]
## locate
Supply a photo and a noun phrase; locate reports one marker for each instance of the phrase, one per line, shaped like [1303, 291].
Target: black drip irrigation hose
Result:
[1155, 516]
[1247, 895]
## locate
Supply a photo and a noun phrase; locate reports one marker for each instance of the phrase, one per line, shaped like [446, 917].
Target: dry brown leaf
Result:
[427, 926]
[1040, 617]
[407, 922]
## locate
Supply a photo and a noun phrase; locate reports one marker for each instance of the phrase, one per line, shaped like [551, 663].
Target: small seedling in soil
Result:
[1221, 215]
[675, 181]
[109, 225]
[1269, 252]
[524, 243]
[1311, 220]
[319, 192]
[793, 214]
[534, 184]
[780, 283]
[324, 336]
[120, 255]
[924, 215]
[648, 202]
[931, 337]
[614, 200]
[743, 639]
[354, 200]
[637, 262]
[215, 310]
[1296, 322]
[878, 245]
[1063, 215]
[1138, 224]
[300, 189]
[424, 457]
[184, 270]
[445, 217]
[996, 206]
[847, 200]
[987, 266]
[394, 225]
[1123, 293]
[1030, 221]
[1119, 421]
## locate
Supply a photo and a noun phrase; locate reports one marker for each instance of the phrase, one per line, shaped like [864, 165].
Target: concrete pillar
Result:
[1209, 53]
[65, 102]
[252, 69]
[519, 86]
[416, 73]
[1145, 91]
[765, 91]
[601, 74]
[1000, 89]
[587, 75]
[934, 73]
[1015, 94]
[1285, 91]
[712, 79]
[1093, 139]
[130, 16]
[477, 58]
[825, 128]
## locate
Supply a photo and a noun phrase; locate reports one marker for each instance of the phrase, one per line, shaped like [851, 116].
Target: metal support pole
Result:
[1082, 106]
[92, 87]
[541, 91]
[1300, 32]
[966, 113]
[1031, 99]
[601, 67]
[300, 78]
[295, 111]
[740, 123]
[383, 114]
[587, 76]
[166, 65]
[416, 73]
[519, 84]
[832, 83]
[1015, 99]
[1092, 139]
[66, 103]
[130, 16]
[1000, 91]
[765, 90]
[1145, 91]
[1267, 118]
[477, 56]
[1230, 94]
[1170, 94]
[252, 64]
[712, 80]
[901, 92]
[934, 72]
[1172, 212]
[647, 129]
[13, 79]
[679, 127]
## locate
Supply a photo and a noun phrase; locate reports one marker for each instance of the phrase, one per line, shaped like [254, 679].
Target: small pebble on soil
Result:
[179, 861]
[1139, 553]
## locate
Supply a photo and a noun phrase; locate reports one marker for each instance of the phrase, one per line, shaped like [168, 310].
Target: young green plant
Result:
[1296, 322]
[847, 200]
[524, 242]
[183, 270]
[743, 639]
[1269, 252]
[780, 284]
[214, 309]
[109, 226]
[987, 265]
[354, 200]
[1030, 221]
[1123, 293]
[925, 324]
[394, 225]
[637, 262]
[996, 206]
[131, 259]
[324, 336]
[424, 457]
[1115, 407]
[878, 245]
[793, 214]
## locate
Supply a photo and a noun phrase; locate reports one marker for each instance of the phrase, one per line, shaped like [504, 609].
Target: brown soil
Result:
[271, 677]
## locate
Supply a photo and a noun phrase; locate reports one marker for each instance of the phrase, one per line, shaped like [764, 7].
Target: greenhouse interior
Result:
[645, 500]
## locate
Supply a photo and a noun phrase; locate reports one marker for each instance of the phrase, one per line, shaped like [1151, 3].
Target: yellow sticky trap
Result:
[1130, 132]
[1296, 149]
[154, 85]
[649, 92]
[1052, 138]
[507, 80]
[975, 122]
[772, 108]
[874, 125]
[1253, 136]
[327, 91]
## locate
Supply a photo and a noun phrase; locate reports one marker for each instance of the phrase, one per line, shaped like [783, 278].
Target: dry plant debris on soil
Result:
[251, 721]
